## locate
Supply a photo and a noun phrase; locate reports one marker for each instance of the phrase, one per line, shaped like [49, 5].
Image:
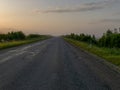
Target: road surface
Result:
[54, 64]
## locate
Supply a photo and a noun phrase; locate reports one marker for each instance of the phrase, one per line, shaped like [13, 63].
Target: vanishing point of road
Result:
[54, 64]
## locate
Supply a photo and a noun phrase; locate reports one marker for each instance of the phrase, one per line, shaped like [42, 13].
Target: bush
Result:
[109, 39]
[12, 36]
[33, 36]
[82, 37]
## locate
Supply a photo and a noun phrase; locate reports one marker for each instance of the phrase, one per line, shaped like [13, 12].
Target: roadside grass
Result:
[110, 54]
[5, 45]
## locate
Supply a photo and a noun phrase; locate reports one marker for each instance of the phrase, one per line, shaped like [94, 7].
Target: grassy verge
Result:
[18, 43]
[111, 55]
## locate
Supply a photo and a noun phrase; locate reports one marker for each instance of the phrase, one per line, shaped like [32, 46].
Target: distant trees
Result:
[82, 37]
[2, 37]
[15, 35]
[18, 35]
[109, 39]
[33, 36]
[12, 36]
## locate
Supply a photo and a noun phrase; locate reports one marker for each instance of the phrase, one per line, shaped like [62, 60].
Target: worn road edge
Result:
[110, 65]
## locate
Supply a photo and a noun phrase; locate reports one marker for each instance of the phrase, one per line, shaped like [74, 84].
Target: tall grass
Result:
[5, 45]
[110, 54]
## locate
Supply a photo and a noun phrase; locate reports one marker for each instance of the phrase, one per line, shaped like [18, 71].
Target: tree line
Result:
[111, 38]
[18, 35]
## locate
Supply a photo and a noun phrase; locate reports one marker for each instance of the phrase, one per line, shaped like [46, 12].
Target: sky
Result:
[58, 17]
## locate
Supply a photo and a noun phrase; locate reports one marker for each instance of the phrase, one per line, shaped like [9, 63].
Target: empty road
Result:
[54, 64]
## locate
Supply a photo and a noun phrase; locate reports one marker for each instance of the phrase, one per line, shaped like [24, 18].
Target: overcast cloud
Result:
[82, 8]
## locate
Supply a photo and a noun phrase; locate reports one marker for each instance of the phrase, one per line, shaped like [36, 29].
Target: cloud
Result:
[106, 20]
[92, 6]
[113, 20]
[118, 13]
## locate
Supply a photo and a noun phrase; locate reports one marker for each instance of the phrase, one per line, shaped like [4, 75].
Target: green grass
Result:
[110, 54]
[18, 43]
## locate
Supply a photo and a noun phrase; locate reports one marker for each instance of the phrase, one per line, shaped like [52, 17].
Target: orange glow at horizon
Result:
[27, 15]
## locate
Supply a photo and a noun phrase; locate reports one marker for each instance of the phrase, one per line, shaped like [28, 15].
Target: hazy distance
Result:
[59, 17]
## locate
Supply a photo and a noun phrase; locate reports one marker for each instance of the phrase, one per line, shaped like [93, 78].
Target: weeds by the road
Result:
[110, 54]
[5, 45]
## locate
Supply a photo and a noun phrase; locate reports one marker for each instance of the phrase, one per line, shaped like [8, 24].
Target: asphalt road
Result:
[54, 65]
